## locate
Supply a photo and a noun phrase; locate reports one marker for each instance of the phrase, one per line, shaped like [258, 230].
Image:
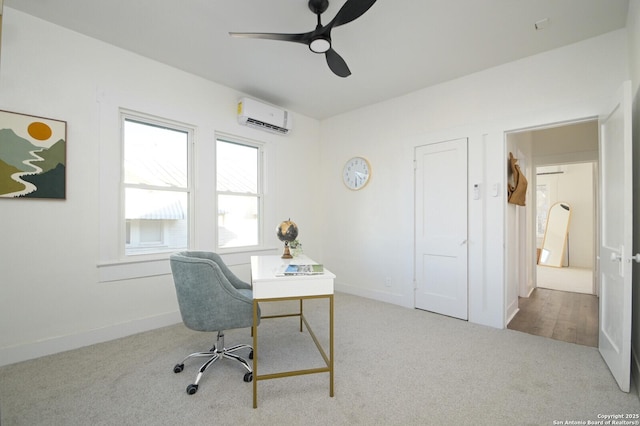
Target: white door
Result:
[616, 237]
[441, 228]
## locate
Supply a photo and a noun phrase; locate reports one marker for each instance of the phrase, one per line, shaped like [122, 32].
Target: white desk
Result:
[270, 286]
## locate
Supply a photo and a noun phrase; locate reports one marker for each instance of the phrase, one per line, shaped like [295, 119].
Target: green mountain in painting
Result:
[15, 149]
[53, 157]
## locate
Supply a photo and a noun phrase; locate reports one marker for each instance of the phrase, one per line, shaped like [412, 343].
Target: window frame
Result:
[113, 265]
[260, 194]
[162, 123]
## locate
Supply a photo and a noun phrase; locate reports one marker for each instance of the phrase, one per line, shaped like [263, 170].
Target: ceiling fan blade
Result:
[337, 64]
[304, 38]
[352, 9]
[320, 38]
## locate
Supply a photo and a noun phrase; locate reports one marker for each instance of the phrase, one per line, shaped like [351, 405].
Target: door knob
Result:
[616, 257]
[636, 258]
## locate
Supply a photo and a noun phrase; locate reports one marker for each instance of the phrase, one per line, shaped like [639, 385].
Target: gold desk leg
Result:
[301, 315]
[330, 345]
[254, 330]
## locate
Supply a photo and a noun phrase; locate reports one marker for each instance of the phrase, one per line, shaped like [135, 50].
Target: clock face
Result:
[356, 173]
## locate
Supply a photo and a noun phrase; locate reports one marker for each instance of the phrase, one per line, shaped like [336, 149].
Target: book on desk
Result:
[303, 269]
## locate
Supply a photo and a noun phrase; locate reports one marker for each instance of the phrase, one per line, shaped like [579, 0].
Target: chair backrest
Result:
[207, 298]
[233, 279]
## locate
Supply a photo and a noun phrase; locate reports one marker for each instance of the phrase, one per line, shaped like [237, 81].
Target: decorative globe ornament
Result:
[287, 231]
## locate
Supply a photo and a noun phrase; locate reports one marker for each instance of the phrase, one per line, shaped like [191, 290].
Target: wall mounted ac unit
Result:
[263, 116]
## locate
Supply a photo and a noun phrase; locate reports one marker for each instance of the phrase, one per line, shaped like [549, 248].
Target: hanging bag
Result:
[518, 191]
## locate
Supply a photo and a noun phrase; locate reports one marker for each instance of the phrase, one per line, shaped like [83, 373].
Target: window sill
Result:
[150, 267]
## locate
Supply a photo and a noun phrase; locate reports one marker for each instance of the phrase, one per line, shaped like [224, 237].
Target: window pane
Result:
[237, 168]
[542, 208]
[154, 155]
[237, 221]
[156, 220]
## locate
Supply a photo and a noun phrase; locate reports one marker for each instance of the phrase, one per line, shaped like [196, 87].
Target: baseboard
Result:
[510, 317]
[18, 353]
[512, 310]
[381, 296]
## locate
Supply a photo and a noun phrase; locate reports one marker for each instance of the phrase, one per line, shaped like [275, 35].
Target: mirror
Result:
[554, 243]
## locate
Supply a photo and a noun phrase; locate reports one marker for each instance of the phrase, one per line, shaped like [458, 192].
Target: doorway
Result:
[559, 301]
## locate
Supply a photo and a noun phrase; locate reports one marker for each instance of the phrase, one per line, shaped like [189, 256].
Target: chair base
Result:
[215, 353]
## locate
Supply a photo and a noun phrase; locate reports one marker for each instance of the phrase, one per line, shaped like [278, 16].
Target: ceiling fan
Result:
[319, 40]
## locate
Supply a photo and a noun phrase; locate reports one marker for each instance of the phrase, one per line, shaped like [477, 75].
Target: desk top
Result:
[267, 283]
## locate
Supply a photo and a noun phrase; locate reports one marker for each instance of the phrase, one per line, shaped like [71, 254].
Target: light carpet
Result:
[394, 366]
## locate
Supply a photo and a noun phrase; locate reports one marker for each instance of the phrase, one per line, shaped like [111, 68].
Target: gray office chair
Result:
[211, 298]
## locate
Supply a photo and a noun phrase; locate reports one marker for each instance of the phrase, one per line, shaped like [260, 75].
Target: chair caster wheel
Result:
[191, 389]
[248, 377]
[251, 354]
[178, 368]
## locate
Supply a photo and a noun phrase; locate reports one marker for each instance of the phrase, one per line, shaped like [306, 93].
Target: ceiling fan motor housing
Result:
[318, 6]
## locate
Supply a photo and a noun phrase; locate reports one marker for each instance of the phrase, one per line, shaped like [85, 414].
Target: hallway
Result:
[559, 315]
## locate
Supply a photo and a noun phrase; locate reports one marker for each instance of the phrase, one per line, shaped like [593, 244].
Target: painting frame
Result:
[33, 156]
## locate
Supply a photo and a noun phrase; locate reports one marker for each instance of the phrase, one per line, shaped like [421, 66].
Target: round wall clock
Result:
[356, 173]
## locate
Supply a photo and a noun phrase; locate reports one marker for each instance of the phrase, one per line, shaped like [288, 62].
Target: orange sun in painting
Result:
[39, 130]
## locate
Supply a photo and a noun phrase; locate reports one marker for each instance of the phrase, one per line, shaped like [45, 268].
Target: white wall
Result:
[571, 143]
[369, 234]
[51, 297]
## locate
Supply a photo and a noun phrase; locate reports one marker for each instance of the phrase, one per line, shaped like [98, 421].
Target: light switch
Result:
[495, 189]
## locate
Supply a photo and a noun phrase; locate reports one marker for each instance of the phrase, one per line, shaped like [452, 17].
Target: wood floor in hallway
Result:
[560, 315]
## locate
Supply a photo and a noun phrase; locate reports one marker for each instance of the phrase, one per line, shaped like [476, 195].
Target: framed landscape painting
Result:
[33, 156]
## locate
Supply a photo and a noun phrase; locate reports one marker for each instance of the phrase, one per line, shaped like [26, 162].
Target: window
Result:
[156, 185]
[239, 193]
[542, 208]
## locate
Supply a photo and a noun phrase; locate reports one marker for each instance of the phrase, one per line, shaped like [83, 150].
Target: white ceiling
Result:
[397, 47]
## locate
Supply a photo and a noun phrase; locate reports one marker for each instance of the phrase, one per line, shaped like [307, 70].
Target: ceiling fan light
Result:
[320, 45]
